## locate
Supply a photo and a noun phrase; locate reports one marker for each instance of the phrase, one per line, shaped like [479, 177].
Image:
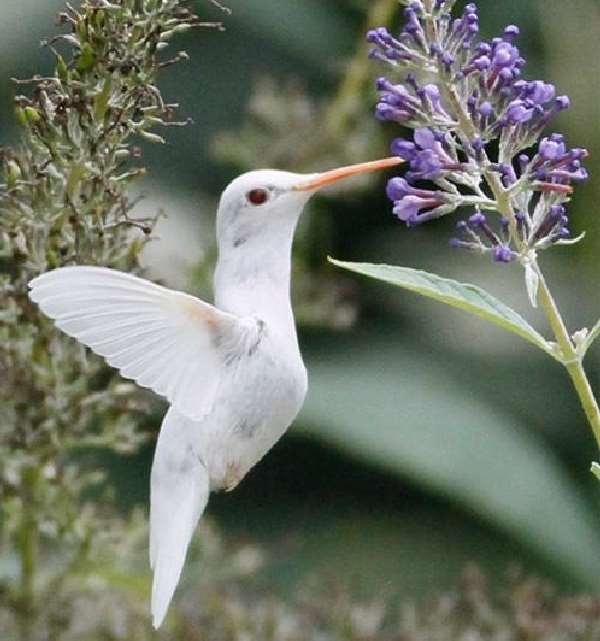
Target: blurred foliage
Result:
[439, 439]
[459, 450]
[521, 608]
[64, 200]
[229, 600]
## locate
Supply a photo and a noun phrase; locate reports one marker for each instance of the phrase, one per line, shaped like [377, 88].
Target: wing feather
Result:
[162, 339]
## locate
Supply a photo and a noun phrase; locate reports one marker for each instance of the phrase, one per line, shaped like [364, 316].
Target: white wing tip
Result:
[45, 277]
[32, 285]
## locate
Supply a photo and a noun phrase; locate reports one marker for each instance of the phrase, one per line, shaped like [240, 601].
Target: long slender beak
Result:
[330, 177]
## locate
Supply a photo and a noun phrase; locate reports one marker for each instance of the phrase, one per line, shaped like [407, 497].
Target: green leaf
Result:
[469, 298]
[75, 177]
[400, 410]
[86, 58]
[102, 99]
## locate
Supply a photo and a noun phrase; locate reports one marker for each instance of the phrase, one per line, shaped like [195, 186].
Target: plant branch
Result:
[64, 197]
[28, 552]
[571, 358]
[345, 102]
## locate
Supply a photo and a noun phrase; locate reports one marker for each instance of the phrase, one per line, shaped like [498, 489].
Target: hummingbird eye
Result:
[257, 197]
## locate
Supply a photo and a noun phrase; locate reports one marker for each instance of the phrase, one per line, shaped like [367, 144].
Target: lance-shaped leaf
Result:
[469, 298]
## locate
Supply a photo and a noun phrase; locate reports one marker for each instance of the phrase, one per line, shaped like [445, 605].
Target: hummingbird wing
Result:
[179, 488]
[168, 341]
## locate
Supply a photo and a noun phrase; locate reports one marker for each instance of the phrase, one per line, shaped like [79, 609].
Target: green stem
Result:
[571, 358]
[28, 552]
[347, 100]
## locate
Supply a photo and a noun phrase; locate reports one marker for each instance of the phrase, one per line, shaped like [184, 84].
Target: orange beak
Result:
[330, 177]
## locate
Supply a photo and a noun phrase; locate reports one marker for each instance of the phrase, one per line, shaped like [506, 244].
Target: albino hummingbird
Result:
[232, 372]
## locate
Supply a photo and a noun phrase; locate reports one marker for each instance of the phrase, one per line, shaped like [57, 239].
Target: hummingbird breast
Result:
[256, 403]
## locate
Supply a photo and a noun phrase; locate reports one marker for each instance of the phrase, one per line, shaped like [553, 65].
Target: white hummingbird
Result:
[232, 372]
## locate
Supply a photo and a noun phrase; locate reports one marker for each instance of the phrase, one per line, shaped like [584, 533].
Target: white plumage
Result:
[232, 373]
[157, 337]
[178, 498]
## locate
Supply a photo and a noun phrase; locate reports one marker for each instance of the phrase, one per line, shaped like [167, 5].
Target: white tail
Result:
[179, 491]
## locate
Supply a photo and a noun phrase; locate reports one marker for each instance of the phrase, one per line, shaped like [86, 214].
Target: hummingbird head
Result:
[256, 220]
[266, 204]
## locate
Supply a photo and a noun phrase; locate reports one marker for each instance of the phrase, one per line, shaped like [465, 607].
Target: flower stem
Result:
[570, 357]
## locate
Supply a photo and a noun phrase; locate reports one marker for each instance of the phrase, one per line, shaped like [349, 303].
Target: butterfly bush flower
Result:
[481, 143]
[478, 134]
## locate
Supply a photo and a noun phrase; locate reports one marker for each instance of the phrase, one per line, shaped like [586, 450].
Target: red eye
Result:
[257, 196]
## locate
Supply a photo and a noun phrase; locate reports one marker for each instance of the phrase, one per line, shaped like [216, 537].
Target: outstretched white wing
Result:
[168, 341]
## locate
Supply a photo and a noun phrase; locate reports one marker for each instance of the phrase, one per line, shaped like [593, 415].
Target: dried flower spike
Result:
[64, 199]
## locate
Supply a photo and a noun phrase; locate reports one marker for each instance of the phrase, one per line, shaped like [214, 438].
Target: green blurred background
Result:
[429, 439]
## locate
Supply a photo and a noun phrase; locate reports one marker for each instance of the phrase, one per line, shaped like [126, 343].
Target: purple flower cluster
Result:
[474, 95]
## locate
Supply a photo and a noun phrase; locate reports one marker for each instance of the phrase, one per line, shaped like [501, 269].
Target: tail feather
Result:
[179, 492]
